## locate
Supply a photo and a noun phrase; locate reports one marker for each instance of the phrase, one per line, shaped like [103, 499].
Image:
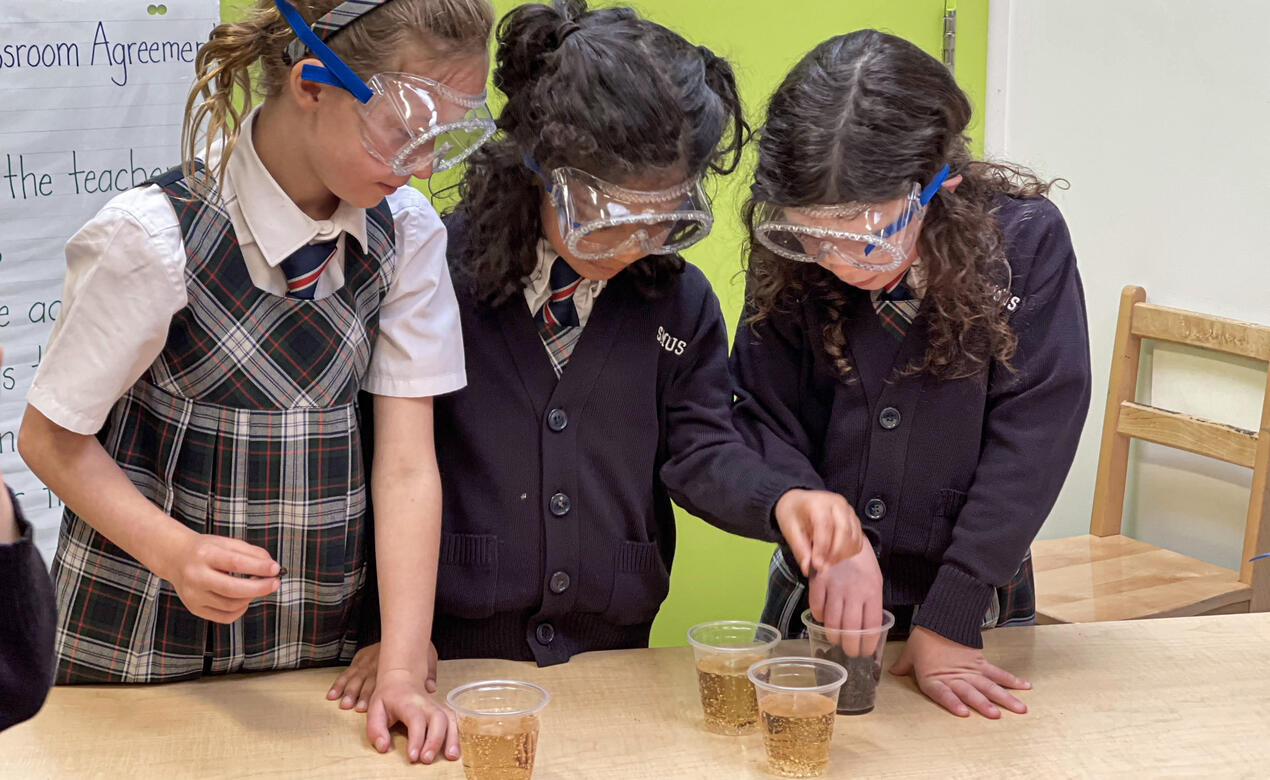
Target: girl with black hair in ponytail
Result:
[598, 387]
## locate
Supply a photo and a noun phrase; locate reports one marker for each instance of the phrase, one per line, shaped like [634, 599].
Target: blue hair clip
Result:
[336, 73]
[1259, 557]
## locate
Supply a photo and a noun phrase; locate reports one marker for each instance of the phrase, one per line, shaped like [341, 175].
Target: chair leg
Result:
[1238, 608]
[1113, 452]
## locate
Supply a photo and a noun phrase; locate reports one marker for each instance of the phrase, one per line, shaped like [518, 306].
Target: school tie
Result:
[558, 325]
[896, 308]
[305, 265]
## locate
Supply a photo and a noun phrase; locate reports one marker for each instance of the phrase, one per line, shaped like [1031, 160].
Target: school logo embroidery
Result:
[1002, 293]
[1010, 302]
[670, 343]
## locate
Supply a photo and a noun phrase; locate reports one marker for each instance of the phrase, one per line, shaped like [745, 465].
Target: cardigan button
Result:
[890, 418]
[546, 633]
[560, 582]
[560, 505]
[557, 420]
[875, 509]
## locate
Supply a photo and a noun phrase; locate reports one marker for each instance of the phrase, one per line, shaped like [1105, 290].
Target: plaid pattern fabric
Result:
[896, 307]
[558, 325]
[327, 26]
[245, 426]
[305, 266]
[1013, 604]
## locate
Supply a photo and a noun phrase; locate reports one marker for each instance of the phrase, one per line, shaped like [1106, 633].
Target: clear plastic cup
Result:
[498, 727]
[796, 702]
[859, 652]
[724, 651]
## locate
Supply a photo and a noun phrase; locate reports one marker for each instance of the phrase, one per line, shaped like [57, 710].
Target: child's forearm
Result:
[87, 479]
[406, 492]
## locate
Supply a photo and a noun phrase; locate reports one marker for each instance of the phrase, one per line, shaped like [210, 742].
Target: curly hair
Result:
[859, 119]
[603, 91]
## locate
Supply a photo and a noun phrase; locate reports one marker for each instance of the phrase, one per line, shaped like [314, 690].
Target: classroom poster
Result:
[91, 99]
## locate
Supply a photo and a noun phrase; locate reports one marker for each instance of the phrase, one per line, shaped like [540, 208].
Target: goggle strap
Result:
[922, 200]
[532, 165]
[336, 73]
[320, 75]
[934, 185]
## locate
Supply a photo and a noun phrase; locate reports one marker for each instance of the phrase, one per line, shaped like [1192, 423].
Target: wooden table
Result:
[1189, 696]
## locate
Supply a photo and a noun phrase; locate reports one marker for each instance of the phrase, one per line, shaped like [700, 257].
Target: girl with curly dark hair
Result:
[598, 386]
[914, 339]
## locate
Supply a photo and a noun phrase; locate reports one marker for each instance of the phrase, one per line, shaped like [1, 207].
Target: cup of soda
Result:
[724, 650]
[498, 727]
[796, 702]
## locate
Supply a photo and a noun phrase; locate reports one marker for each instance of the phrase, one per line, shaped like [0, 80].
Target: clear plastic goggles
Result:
[412, 123]
[871, 237]
[599, 220]
[409, 123]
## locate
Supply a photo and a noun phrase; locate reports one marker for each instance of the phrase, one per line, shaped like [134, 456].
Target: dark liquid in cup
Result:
[857, 694]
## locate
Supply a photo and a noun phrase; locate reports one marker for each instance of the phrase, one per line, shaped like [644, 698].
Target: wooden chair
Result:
[1108, 576]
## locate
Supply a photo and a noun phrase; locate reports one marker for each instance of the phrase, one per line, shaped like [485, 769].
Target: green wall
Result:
[717, 575]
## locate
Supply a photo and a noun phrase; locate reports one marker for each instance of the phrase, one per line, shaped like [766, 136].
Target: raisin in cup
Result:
[859, 651]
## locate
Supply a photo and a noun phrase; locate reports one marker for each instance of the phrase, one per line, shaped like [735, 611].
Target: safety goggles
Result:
[872, 237]
[600, 220]
[408, 122]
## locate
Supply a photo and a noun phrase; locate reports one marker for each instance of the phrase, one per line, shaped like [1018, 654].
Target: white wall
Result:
[1158, 113]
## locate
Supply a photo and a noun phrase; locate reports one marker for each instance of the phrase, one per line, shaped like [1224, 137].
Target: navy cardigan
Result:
[558, 531]
[27, 621]
[951, 479]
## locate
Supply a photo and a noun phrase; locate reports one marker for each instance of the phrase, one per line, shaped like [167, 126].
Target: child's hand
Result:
[848, 595]
[956, 676]
[201, 572]
[820, 527]
[400, 698]
[357, 682]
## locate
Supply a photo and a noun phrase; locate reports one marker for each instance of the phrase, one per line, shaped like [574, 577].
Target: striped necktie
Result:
[558, 325]
[896, 308]
[305, 266]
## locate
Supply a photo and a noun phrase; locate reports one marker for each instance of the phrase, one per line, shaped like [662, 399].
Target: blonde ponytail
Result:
[222, 95]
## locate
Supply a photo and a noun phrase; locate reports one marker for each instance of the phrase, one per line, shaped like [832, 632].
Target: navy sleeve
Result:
[709, 470]
[772, 375]
[28, 619]
[770, 371]
[1035, 413]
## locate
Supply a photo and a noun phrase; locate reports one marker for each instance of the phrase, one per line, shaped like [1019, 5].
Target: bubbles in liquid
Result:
[498, 748]
[727, 695]
[797, 728]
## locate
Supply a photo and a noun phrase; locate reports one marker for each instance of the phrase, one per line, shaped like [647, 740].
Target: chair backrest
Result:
[1127, 419]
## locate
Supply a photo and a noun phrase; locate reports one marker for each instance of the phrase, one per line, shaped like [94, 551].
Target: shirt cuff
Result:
[954, 607]
[424, 387]
[62, 415]
[15, 554]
